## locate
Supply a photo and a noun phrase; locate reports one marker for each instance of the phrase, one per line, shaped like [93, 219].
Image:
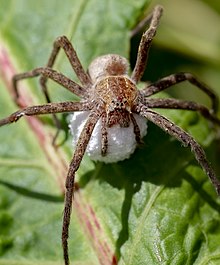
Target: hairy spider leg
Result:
[83, 140]
[187, 140]
[174, 79]
[141, 25]
[48, 108]
[104, 133]
[60, 42]
[53, 75]
[137, 132]
[74, 165]
[59, 78]
[145, 44]
[171, 103]
[66, 45]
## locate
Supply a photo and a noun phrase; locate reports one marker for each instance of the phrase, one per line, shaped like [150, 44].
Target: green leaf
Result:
[156, 207]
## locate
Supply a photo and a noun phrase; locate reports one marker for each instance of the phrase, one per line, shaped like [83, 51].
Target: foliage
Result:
[156, 207]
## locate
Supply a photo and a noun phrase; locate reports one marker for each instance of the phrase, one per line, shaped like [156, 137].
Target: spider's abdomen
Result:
[108, 65]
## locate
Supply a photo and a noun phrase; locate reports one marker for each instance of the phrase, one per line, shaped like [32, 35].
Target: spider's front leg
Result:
[63, 42]
[145, 44]
[74, 165]
[184, 138]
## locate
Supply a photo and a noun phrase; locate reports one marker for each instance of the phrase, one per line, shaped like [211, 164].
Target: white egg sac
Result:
[121, 141]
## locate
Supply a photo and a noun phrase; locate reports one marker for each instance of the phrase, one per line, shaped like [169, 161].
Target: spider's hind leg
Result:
[177, 78]
[172, 103]
[183, 137]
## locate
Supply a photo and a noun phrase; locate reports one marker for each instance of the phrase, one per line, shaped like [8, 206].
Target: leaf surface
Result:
[157, 207]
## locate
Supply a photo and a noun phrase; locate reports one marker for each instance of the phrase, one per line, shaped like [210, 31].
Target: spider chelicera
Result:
[111, 97]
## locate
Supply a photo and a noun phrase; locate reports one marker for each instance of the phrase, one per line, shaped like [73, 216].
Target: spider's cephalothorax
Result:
[111, 106]
[114, 88]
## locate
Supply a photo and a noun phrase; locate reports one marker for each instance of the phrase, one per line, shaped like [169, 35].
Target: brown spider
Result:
[110, 96]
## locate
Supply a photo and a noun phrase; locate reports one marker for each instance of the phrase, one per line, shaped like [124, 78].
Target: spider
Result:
[110, 98]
